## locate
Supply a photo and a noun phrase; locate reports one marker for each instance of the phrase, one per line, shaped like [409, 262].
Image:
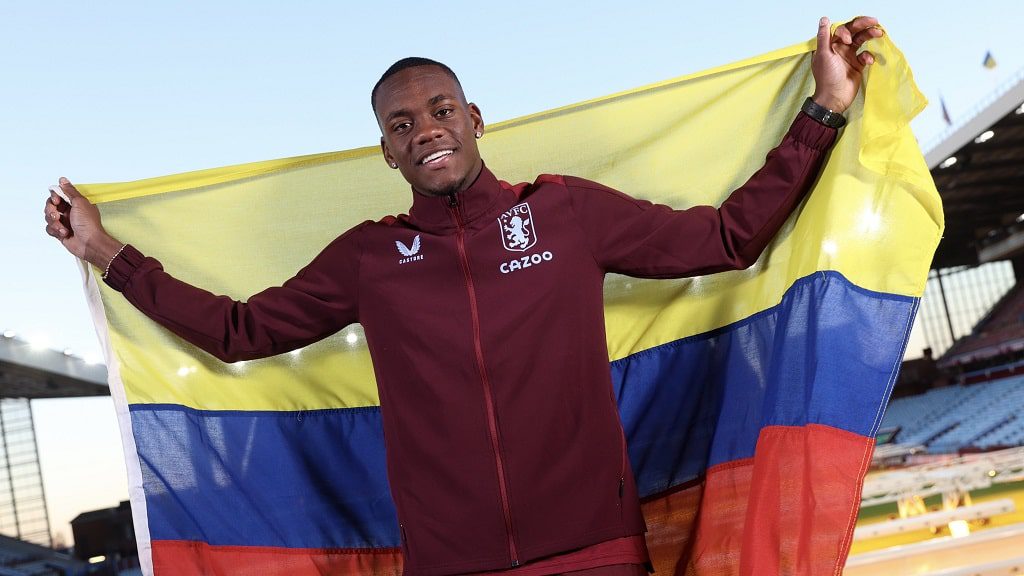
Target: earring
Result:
[394, 165]
[479, 135]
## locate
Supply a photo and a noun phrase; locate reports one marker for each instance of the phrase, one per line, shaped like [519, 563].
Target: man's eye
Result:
[445, 112]
[400, 127]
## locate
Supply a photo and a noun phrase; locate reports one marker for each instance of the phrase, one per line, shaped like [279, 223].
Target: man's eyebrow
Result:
[438, 98]
[395, 114]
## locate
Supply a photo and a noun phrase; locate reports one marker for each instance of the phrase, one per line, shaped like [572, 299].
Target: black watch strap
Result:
[822, 114]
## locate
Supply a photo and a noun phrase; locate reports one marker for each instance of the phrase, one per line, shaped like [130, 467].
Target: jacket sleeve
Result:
[319, 300]
[638, 238]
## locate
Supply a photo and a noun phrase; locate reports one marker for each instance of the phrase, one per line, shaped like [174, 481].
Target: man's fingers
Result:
[59, 202]
[823, 34]
[50, 214]
[54, 209]
[866, 58]
[57, 231]
[842, 34]
[57, 217]
[69, 189]
[865, 35]
[861, 23]
[59, 206]
[57, 211]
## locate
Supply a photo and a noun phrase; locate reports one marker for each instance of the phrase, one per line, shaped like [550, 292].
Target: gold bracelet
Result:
[106, 271]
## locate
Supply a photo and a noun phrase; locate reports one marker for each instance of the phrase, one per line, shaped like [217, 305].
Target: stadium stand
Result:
[20, 558]
[983, 416]
[984, 408]
[999, 335]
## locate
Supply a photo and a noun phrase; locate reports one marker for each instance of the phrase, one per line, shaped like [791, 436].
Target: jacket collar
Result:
[474, 203]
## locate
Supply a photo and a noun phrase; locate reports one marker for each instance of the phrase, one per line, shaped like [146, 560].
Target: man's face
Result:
[429, 130]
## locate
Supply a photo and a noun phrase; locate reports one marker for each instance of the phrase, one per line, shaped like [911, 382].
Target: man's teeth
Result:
[436, 156]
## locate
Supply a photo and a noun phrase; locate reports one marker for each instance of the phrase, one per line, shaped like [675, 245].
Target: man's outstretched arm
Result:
[638, 238]
[318, 301]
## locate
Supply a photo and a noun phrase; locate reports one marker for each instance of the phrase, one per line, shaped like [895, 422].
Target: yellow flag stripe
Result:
[113, 191]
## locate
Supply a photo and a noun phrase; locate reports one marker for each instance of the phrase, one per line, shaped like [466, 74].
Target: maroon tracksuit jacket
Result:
[483, 315]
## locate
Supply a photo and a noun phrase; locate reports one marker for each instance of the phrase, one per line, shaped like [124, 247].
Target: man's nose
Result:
[429, 130]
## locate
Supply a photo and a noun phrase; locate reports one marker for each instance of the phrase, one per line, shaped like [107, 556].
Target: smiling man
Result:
[443, 159]
[505, 452]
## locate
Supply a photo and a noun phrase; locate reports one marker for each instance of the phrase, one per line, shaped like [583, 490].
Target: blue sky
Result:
[110, 91]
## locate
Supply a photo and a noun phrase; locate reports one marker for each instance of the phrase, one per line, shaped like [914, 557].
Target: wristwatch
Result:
[822, 114]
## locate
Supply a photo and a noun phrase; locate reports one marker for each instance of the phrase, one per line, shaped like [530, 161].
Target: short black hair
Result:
[410, 62]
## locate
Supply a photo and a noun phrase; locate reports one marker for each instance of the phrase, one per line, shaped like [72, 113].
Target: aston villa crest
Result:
[517, 231]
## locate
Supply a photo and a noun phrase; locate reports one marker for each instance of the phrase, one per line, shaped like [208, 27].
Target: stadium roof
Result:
[978, 167]
[27, 372]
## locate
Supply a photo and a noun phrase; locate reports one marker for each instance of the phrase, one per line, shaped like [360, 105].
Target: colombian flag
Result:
[750, 398]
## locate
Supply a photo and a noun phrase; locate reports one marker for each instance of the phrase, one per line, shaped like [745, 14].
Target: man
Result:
[504, 448]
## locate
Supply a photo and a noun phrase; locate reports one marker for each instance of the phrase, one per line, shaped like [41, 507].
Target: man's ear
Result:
[387, 154]
[478, 118]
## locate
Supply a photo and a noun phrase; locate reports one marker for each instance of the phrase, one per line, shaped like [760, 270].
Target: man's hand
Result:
[77, 226]
[836, 66]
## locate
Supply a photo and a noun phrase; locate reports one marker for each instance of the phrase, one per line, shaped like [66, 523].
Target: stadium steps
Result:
[1011, 433]
[985, 411]
[952, 418]
[933, 441]
[941, 415]
[1002, 423]
[917, 415]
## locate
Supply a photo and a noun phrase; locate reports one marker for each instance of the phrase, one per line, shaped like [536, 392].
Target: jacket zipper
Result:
[453, 204]
[622, 465]
[624, 455]
[622, 476]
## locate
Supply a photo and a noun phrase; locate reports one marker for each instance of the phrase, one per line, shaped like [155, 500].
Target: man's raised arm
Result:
[638, 238]
[317, 302]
